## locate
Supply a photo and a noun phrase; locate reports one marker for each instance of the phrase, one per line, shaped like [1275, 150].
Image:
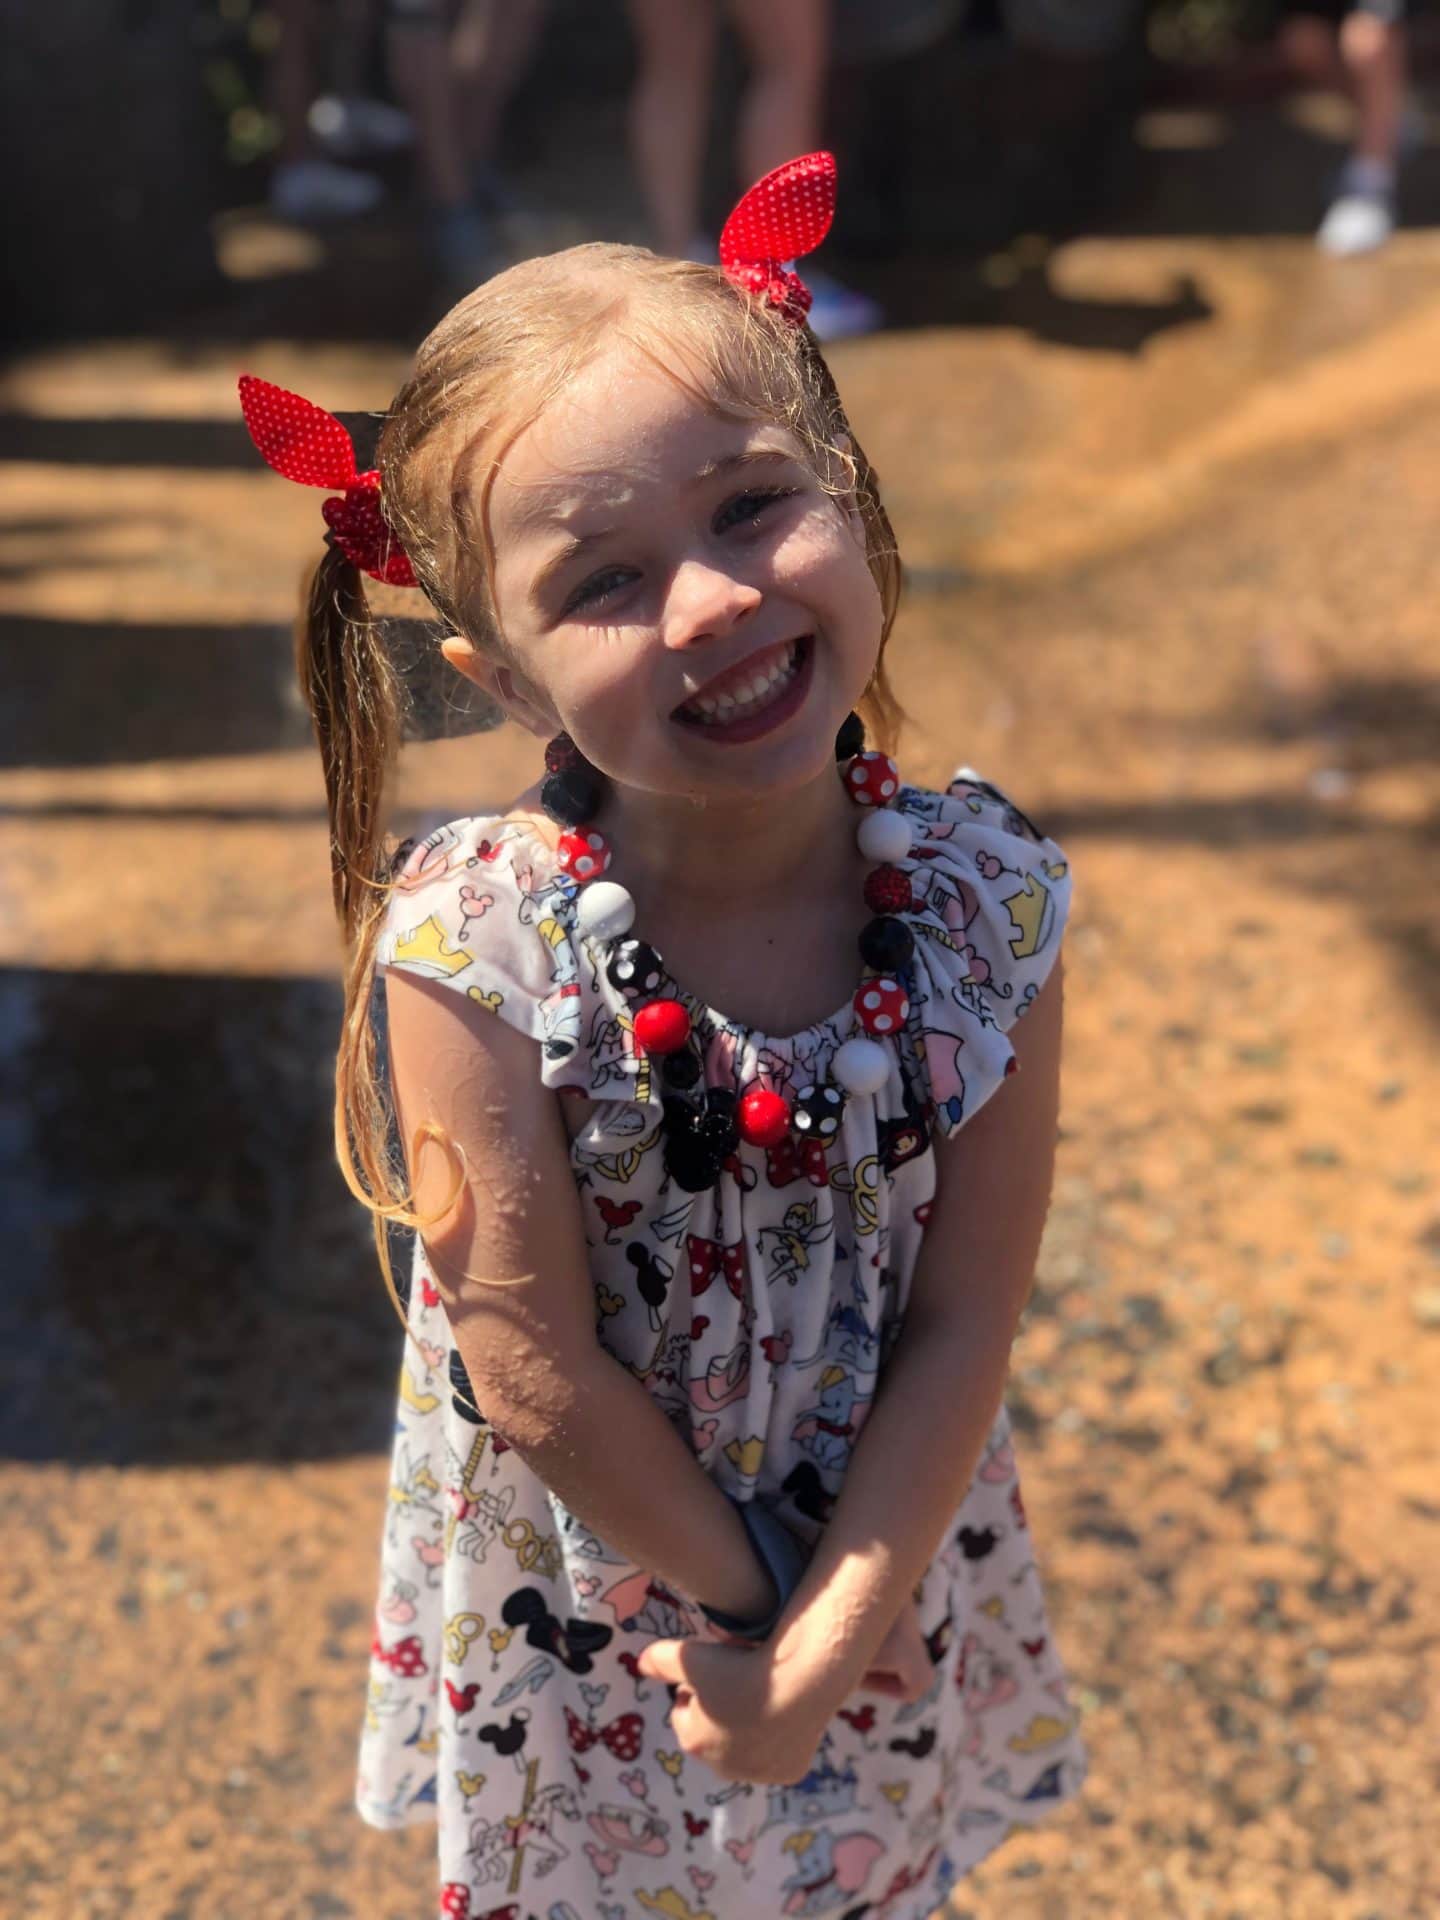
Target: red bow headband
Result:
[786, 214]
[782, 216]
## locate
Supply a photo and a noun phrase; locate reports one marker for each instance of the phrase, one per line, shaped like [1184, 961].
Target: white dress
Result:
[503, 1697]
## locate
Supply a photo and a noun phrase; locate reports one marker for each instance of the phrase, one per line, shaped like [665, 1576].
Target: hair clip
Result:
[308, 445]
[786, 214]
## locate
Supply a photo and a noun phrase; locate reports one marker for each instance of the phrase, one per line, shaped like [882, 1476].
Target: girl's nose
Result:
[705, 603]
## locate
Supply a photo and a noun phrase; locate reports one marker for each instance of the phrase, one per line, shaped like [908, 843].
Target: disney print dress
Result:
[503, 1697]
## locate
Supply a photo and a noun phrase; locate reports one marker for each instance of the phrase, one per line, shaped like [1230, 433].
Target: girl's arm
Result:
[941, 1388]
[585, 1425]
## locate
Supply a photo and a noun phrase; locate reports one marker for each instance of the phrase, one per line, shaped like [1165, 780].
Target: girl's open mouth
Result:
[758, 702]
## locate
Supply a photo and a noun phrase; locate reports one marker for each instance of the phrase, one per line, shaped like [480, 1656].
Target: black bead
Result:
[689, 1163]
[680, 1069]
[850, 740]
[886, 944]
[717, 1127]
[817, 1111]
[635, 968]
[573, 797]
[681, 1116]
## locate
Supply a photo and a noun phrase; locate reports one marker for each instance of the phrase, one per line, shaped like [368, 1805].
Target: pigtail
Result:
[353, 695]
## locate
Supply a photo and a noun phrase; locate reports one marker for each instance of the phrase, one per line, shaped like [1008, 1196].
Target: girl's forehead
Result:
[622, 425]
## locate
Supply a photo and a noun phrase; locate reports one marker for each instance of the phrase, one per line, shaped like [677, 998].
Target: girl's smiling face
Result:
[677, 588]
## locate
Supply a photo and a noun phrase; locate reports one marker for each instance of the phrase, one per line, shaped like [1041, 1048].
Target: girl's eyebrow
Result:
[573, 545]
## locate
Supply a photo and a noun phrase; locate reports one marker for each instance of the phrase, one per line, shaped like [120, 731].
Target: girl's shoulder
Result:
[482, 906]
[991, 894]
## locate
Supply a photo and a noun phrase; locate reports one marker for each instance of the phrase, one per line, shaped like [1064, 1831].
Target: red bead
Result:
[872, 779]
[763, 1117]
[882, 1004]
[584, 854]
[888, 890]
[561, 754]
[662, 1026]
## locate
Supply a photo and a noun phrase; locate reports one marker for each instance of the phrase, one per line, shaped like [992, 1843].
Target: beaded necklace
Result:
[702, 1124]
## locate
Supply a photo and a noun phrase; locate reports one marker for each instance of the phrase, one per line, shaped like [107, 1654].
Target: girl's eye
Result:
[749, 506]
[599, 587]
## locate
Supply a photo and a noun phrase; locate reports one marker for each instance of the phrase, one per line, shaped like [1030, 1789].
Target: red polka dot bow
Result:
[305, 443]
[621, 1735]
[782, 216]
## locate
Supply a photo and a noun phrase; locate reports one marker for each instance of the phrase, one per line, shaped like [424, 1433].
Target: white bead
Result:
[605, 910]
[884, 835]
[861, 1066]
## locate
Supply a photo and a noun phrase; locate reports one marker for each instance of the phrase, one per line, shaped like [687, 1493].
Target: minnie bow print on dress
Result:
[308, 445]
[786, 214]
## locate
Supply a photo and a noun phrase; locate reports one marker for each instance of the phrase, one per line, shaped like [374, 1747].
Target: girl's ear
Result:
[510, 690]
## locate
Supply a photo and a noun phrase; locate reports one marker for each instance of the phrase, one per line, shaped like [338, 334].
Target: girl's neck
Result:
[699, 856]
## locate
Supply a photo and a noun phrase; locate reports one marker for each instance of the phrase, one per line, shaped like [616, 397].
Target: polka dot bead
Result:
[882, 1005]
[872, 779]
[635, 968]
[818, 1111]
[884, 835]
[584, 855]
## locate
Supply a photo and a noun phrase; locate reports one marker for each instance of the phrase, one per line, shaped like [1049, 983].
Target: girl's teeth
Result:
[724, 706]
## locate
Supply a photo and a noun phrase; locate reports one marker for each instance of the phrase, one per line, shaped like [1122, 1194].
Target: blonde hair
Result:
[488, 369]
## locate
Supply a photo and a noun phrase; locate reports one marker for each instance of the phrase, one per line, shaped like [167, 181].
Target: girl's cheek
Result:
[817, 552]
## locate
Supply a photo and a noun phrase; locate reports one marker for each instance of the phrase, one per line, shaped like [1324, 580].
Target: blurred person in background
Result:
[1360, 47]
[786, 50]
[308, 184]
[454, 69]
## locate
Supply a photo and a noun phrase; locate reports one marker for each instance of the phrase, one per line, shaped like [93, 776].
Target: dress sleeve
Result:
[992, 895]
[480, 907]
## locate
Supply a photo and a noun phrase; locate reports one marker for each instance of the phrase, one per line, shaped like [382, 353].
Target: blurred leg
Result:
[786, 48]
[418, 46]
[670, 113]
[493, 43]
[1361, 217]
[1374, 53]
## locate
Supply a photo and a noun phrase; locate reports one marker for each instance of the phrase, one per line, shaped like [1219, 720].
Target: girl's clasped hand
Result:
[736, 1710]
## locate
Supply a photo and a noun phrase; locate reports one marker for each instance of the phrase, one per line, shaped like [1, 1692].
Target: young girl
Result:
[706, 1590]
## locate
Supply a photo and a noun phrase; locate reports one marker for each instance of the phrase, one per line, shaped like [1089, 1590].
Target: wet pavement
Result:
[1170, 500]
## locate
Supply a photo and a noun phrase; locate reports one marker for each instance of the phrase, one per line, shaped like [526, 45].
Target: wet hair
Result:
[488, 369]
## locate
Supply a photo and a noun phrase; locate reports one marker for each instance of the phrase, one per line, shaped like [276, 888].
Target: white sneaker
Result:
[319, 190]
[1357, 223]
[836, 312]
